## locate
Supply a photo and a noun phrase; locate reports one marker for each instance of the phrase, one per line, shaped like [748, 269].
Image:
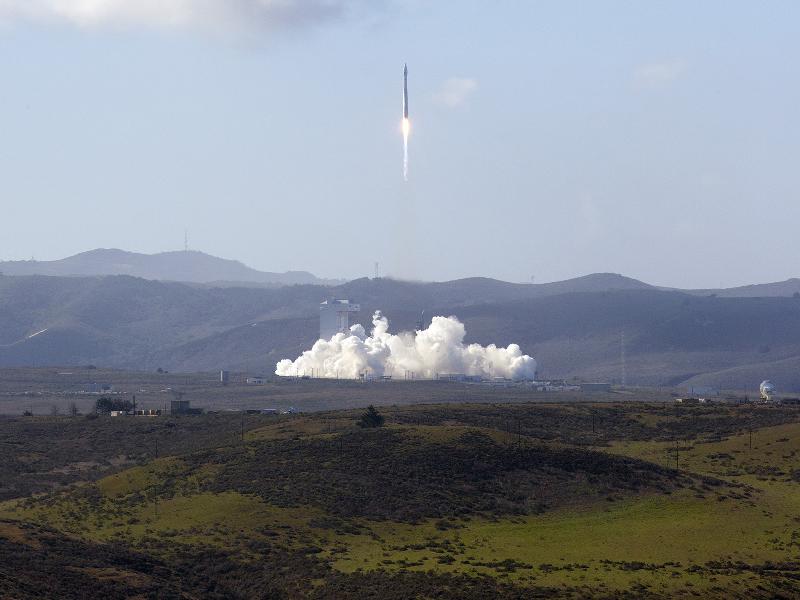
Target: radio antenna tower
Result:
[185, 240]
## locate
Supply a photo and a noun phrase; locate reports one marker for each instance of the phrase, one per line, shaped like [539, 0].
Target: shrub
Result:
[371, 418]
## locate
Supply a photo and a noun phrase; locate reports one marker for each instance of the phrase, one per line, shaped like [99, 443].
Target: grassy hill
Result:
[459, 501]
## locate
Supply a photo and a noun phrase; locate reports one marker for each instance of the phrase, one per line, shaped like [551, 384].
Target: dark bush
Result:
[371, 418]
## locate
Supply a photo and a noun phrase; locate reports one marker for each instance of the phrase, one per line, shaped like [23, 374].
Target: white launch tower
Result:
[334, 317]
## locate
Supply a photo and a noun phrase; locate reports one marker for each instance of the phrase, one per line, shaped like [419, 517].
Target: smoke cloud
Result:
[439, 349]
[205, 14]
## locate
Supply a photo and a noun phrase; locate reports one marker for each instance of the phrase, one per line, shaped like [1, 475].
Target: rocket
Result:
[406, 124]
[405, 91]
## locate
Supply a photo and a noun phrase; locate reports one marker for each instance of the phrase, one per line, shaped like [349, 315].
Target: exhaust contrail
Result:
[406, 122]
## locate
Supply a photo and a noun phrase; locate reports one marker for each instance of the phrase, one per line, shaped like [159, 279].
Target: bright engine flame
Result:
[406, 131]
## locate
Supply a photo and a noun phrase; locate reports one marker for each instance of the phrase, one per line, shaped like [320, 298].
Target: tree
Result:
[104, 405]
[371, 418]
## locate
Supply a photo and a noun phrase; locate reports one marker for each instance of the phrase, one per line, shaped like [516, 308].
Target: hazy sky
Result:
[554, 139]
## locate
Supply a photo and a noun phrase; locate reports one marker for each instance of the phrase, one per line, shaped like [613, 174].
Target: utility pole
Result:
[676, 455]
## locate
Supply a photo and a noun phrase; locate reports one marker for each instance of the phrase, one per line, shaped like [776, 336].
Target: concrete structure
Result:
[334, 317]
[224, 377]
[255, 381]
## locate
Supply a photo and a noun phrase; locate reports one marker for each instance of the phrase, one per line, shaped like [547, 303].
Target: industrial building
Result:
[334, 317]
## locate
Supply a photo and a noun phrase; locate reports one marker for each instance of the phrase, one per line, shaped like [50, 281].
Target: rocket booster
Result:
[405, 91]
[406, 123]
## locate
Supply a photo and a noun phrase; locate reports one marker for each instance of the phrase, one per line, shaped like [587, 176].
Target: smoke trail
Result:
[406, 129]
[436, 350]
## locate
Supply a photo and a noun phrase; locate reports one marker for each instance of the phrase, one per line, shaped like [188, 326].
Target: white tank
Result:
[767, 390]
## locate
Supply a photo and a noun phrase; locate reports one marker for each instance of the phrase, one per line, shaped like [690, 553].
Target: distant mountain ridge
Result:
[789, 287]
[573, 328]
[199, 268]
[188, 266]
[188, 311]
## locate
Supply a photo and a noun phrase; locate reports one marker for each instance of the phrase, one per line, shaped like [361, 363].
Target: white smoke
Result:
[439, 349]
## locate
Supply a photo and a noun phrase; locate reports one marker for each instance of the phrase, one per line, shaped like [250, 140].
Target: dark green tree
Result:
[371, 418]
[104, 405]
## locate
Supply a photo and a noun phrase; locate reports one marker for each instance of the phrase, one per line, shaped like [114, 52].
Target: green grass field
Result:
[737, 536]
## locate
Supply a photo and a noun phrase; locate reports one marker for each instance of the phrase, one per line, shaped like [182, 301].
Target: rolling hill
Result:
[186, 266]
[573, 328]
[455, 502]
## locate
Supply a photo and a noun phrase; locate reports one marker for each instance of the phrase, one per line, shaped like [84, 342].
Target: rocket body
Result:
[405, 91]
[406, 124]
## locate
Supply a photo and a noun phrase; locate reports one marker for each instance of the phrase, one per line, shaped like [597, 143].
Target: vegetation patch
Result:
[453, 502]
[400, 476]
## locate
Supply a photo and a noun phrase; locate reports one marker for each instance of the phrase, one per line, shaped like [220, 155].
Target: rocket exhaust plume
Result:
[438, 349]
[406, 129]
[406, 123]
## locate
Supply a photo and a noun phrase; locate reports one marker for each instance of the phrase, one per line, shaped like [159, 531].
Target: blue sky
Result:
[549, 139]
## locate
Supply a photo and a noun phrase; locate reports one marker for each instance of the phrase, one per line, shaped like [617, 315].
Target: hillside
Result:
[453, 502]
[787, 288]
[574, 330]
[189, 266]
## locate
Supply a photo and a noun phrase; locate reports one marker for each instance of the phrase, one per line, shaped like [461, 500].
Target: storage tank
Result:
[767, 390]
